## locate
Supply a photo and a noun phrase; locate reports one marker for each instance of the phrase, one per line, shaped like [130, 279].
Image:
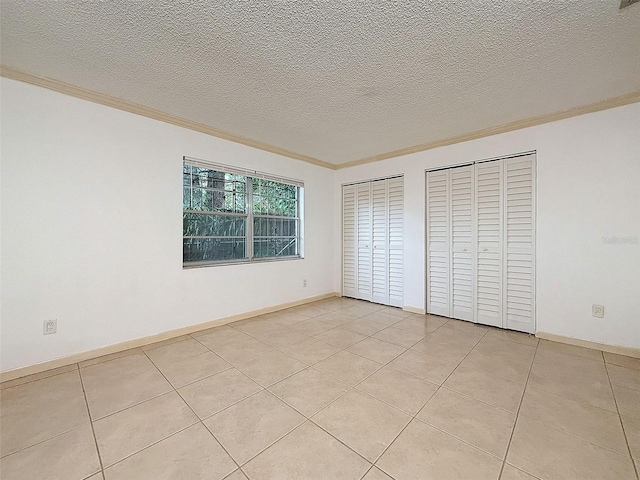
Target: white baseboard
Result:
[627, 351]
[141, 342]
[418, 310]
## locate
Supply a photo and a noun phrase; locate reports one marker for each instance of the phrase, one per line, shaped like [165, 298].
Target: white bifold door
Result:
[372, 241]
[480, 242]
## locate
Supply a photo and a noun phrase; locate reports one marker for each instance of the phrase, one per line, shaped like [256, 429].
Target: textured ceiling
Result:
[334, 80]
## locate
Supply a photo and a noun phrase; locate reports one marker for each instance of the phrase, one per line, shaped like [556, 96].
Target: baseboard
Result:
[627, 351]
[141, 342]
[418, 310]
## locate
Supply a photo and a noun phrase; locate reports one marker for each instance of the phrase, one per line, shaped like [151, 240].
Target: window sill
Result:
[190, 265]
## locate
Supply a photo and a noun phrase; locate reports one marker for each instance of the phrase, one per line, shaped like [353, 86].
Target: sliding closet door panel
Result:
[438, 243]
[519, 241]
[489, 262]
[363, 265]
[349, 240]
[396, 209]
[462, 245]
[380, 233]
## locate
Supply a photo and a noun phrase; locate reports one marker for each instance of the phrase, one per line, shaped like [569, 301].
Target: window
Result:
[231, 215]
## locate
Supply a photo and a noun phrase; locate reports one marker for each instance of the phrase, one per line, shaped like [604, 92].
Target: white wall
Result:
[588, 188]
[92, 224]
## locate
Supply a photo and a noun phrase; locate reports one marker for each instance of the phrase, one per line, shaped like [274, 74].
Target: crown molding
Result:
[508, 127]
[138, 109]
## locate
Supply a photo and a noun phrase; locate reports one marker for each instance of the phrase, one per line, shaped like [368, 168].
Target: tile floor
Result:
[338, 389]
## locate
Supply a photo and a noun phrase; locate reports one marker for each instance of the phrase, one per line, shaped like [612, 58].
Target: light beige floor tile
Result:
[468, 327]
[250, 426]
[70, 456]
[571, 364]
[259, 327]
[581, 420]
[241, 351]
[364, 326]
[448, 343]
[307, 453]
[237, 475]
[385, 317]
[395, 311]
[190, 369]
[422, 452]
[491, 345]
[310, 351]
[550, 454]
[271, 368]
[377, 350]
[215, 393]
[309, 391]
[628, 400]
[399, 389]
[622, 360]
[632, 430]
[362, 309]
[625, 377]
[420, 324]
[340, 337]
[583, 389]
[312, 327]
[129, 431]
[166, 342]
[210, 330]
[363, 423]
[427, 367]
[335, 318]
[503, 367]
[512, 336]
[309, 310]
[36, 411]
[285, 318]
[38, 376]
[486, 387]
[172, 350]
[484, 426]
[280, 339]
[97, 476]
[111, 356]
[348, 367]
[404, 338]
[121, 383]
[221, 336]
[583, 352]
[192, 454]
[376, 474]
[512, 473]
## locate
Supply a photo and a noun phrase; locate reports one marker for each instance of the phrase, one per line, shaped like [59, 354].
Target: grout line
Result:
[93, 430]
[624, 431]
[513, 429]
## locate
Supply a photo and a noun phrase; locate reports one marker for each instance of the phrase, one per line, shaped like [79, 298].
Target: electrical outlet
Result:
[304, 282]
[49, 327]
[597, 310]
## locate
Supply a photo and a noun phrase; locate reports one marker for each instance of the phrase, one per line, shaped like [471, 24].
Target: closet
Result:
[481, 242]
[372, 237]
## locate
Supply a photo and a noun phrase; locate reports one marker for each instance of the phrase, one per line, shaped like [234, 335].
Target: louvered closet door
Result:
[519, 243]
[462, 245]
[363, 239]
[438, 238]
[489, 261]
[349, 240]
[396, 208]
[380, 243]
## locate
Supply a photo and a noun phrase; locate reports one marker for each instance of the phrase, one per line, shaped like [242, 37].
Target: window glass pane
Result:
[186, 198]
[275, 247]
[206, 225]
[213, 249]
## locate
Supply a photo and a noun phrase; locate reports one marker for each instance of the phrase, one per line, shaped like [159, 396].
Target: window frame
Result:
[249, 215]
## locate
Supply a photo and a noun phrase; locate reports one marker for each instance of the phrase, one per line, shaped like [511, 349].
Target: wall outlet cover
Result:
[597, 311]
[49, 327]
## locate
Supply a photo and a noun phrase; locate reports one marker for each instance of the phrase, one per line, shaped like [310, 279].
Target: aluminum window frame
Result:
[248, 214]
